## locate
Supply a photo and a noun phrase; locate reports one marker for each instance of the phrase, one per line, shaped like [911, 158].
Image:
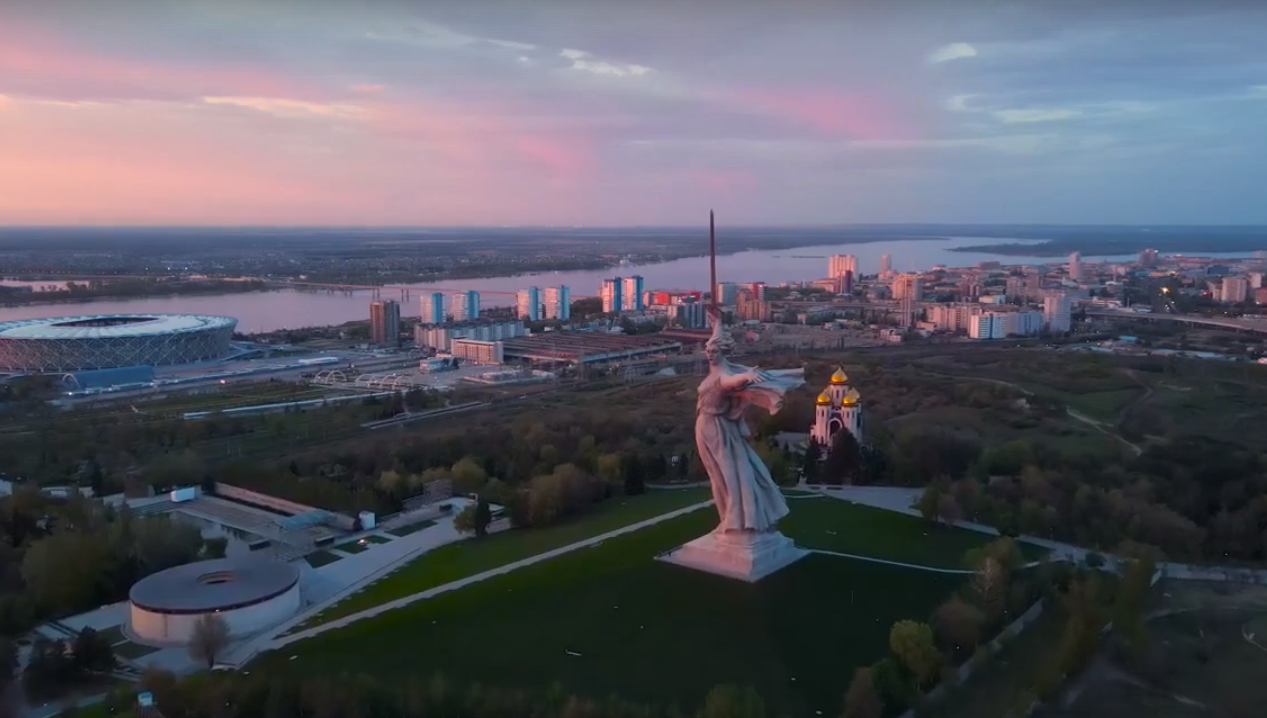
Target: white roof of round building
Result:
[111, 326]
[215, 585]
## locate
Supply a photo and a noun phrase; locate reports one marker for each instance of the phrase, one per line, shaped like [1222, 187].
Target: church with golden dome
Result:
[838, 407]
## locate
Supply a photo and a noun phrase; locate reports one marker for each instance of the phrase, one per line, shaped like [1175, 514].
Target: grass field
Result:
[835, 525]
[466, 558]
[644, 629]
[351, 547]
[317, 559]
[412, 528]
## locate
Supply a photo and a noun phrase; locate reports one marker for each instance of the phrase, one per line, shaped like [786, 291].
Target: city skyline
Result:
[532, 114]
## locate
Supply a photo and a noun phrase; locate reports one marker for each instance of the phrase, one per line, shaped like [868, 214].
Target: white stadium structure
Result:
[250, 594]
[112, 341]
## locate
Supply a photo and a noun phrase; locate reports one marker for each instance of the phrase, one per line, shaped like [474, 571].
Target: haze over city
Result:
[565, 113]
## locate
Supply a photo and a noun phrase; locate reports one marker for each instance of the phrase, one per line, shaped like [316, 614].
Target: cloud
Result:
[953, 51]
[282, 107]
[959, 103]
[369, 89]
[427, 34]
[1012, 117]
[585, 62]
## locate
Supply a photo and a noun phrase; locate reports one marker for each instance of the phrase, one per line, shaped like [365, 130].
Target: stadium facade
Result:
[111, 341]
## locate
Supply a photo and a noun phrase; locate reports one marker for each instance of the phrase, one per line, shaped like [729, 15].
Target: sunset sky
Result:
[648, 112]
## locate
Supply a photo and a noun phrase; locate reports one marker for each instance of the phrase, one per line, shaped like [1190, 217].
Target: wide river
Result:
[286, 309]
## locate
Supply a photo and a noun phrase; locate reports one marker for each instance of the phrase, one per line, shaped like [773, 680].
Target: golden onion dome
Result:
[839, 376]
[853, 397]
[823, 399]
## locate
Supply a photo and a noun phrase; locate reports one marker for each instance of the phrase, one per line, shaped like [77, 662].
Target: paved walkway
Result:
[273, 640]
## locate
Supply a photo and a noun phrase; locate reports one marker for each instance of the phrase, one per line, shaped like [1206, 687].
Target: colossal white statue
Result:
[746, 543]
[746, 496]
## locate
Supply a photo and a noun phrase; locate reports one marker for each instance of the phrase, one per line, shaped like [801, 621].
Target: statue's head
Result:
[716, 348]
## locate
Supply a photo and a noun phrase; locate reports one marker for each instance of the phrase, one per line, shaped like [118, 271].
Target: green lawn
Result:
[835, 525]
[375, 538]
[132, 651]
[412, 528]
[645, 630]
[317, 559]
[467, 558]
[351, 547]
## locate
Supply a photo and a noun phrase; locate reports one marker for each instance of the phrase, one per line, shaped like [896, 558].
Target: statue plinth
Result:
[745, 555]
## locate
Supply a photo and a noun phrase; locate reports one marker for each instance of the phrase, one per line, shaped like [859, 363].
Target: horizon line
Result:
[310, 227]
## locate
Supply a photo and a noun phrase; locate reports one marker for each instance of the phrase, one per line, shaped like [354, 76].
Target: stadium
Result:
[86, 343]
[250, 594]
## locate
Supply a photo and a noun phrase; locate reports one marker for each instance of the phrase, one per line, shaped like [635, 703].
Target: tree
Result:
[862, 700]
[844, 461]
[66, 571]
[209, 639]
[948, 510]
[928, 502]
[958, 624]
[93, 654]
[468, 476]
[733, 702]
[483, 517]
[912, 643]
[214, 547]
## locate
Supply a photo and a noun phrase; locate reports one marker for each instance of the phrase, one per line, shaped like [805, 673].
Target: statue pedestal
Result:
[747, 555]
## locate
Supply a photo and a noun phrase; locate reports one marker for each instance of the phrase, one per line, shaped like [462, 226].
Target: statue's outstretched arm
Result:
[739, 380]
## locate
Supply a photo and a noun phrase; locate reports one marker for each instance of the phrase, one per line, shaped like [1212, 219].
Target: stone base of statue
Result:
[745, 555]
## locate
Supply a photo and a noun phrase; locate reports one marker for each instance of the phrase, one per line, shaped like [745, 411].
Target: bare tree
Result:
[210, 638]
[989, 582]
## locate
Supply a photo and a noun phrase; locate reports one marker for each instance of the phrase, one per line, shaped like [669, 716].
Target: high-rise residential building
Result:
[528, 304]
[748, 307]
[758, 290]
[988, 325]
[908, 285]
[953, 317]
[465, 305]
[1075, 266]
[1255, 280]
[726, 292]
[431, 309]
[838, 264]
[1056, 312]
[843, 284]
[611, 294]
[689, 315]
[1235, 289]
[886, 263]
[1148, 257]
[631, 294]
[384, 323]
[1024, 323]
[1260, 296]
[558, 303]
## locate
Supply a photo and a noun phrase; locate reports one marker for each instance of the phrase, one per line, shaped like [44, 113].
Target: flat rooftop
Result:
[587, 346]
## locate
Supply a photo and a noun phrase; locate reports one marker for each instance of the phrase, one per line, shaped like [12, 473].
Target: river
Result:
[287, 309]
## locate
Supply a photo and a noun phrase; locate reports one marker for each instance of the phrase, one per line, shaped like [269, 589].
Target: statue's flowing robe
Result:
[747, 498]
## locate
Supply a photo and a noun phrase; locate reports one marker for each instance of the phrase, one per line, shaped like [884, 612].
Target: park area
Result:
[466, 558]
[610, 619]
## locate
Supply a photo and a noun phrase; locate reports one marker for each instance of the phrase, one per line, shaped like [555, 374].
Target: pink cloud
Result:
[727, 184]
[830, 112]
[487, 135]
[39, 64]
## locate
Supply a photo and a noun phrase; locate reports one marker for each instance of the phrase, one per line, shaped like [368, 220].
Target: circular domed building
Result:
[250, 594]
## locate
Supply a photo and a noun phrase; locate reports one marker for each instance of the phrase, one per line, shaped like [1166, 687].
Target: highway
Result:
[1243, 325]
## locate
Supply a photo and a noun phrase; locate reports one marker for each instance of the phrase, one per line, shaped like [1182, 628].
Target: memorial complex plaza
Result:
[584, 603]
